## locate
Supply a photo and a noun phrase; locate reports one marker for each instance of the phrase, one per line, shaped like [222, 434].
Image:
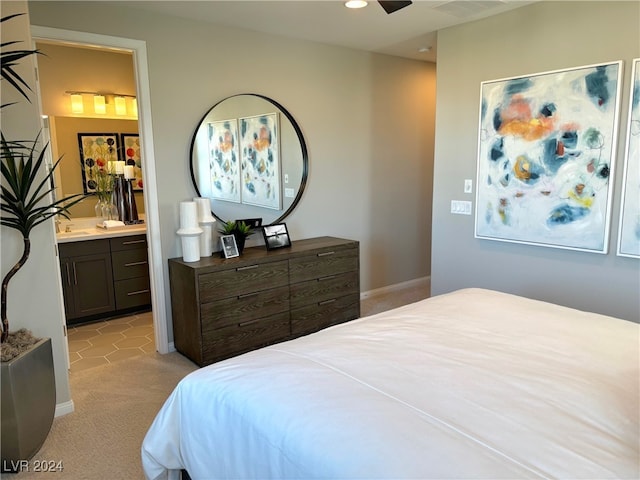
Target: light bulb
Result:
[99, 104]
[121, 106]
[76, 103]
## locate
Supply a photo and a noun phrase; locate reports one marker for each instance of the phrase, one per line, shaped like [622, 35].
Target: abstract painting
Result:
[259, 143]
[546, 146]
[96, 151]
[629, 230]
[131, 155]
[224, 162]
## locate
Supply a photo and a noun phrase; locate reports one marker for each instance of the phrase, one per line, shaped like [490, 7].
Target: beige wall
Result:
[541, 37]
[65, 68]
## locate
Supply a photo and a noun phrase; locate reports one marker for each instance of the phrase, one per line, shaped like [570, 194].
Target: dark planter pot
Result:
[240, 239]
[28, 404]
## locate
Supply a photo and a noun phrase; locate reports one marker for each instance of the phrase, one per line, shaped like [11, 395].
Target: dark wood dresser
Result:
[225, 307]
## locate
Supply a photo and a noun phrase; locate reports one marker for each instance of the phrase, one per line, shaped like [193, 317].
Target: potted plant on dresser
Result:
[28, 392]
[240, 230]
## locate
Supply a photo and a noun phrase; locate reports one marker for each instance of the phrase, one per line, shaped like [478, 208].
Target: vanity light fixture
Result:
[99, 104]
[100, 101]
[76, 103]
[356, 4]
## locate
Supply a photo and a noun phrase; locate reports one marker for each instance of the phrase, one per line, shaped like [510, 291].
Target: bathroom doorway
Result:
[137, 50]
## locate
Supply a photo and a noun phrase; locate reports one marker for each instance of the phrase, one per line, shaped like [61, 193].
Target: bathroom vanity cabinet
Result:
[104, 277]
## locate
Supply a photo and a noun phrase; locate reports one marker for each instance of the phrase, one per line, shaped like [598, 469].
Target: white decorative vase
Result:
[206, 221]
[189, 231]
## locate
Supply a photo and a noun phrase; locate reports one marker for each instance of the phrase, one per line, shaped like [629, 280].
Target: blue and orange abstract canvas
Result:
[546, 148]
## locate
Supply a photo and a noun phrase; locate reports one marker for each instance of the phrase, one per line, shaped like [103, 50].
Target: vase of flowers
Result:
[101, 179]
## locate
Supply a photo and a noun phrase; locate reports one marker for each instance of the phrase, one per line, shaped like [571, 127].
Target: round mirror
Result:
[248, 156]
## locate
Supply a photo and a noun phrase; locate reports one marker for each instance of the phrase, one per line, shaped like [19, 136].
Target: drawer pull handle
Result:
[247, 295]
[239, 269]
[249, 322]
[139, 292]
[327, 302]
[328, 277]
[133, 242]
[324, 254]
[133, 264]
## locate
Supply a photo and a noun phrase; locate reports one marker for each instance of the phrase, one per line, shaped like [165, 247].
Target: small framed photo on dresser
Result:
[276, 236]
[229, 246]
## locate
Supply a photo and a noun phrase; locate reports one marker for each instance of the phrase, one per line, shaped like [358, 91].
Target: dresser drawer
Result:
[242, 280]
[133, 292]
[129, 264]
[131, 242]
[324, 288]
[244, 337]
[244, 308]
[325, 262]
[319, 315]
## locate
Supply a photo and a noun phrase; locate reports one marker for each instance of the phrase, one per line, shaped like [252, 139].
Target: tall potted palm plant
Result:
[27, 374]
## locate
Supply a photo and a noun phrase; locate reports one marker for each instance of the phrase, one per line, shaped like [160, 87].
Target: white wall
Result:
[34, 293]
[541, 37]
[367, 120]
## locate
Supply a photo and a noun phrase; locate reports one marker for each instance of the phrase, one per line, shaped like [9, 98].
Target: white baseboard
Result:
[418, 282]
[64, 408]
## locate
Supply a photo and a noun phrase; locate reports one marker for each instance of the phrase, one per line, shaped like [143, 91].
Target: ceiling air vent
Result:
[468, 8]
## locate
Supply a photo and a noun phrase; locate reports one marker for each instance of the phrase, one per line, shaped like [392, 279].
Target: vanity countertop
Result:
[89, 230]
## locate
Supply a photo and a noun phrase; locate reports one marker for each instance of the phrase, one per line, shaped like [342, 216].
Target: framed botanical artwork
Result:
[229, 246]
[130, 153]
[260, 151]
[276, 236]
[96, 151]
[546, 155]
[629, 226]
[224, 161]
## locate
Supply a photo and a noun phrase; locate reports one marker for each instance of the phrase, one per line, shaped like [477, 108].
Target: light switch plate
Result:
[468, 186]
[461, 207]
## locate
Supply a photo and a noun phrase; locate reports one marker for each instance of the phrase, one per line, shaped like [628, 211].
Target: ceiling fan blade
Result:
[391, 7]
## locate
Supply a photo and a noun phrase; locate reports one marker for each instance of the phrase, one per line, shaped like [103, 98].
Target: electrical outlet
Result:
[468, 186]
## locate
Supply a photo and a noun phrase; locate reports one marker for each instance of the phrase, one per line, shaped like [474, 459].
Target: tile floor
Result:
[108, 341]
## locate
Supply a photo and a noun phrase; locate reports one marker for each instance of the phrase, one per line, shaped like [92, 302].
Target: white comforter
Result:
[473, 384]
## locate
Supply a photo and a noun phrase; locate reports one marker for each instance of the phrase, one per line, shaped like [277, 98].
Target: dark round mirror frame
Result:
[303, 148]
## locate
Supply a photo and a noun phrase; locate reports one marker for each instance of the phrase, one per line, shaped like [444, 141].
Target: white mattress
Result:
[475, 384]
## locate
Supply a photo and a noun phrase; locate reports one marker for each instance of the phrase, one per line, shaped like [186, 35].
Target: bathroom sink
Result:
[73, 233]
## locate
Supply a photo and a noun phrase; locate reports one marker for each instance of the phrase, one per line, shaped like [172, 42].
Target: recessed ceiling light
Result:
[355, 4]
[424, 49]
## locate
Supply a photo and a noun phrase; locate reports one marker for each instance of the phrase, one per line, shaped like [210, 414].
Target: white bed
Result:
[474, 384]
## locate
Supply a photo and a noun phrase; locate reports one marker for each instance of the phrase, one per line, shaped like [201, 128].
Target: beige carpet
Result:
[116, 403]
[114, 406]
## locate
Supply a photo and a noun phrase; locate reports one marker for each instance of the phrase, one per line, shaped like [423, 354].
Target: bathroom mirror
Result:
[249, 157]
